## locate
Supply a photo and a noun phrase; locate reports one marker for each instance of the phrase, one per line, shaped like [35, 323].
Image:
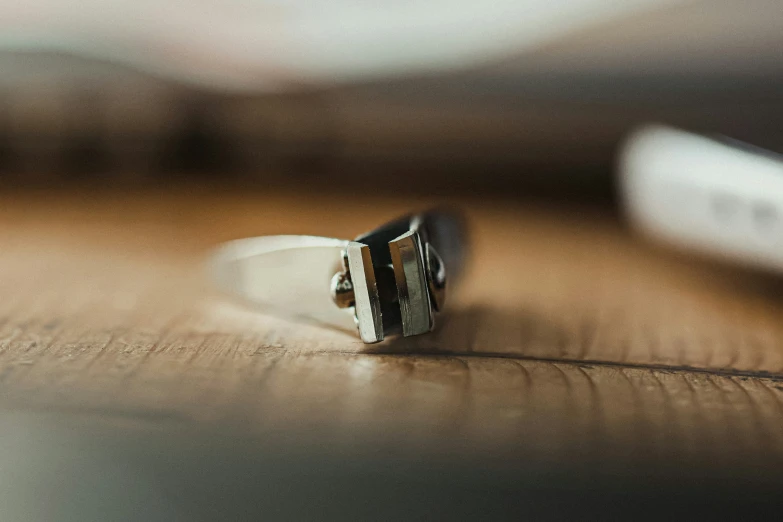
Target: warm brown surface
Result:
[569, 337]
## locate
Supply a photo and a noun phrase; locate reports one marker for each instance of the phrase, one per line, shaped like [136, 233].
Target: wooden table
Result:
[579, 366]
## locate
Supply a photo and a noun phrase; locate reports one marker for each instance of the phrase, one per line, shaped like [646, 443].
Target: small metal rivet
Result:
[342, 290]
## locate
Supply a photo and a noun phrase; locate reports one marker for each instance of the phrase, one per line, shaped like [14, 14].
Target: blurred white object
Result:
[720, 198]
[268, 43]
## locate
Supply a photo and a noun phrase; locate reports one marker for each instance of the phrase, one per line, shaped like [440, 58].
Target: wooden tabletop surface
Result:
[571, 342]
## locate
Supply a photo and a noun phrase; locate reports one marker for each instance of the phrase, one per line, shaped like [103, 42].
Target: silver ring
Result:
[389, 281]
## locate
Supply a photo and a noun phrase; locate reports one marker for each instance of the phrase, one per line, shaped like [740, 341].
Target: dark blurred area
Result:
[135, 472]
[541, 116]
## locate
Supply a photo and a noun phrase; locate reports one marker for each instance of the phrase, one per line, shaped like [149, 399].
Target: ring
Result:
[389, 281]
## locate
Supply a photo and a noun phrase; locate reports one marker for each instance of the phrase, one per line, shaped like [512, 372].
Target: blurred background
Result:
[510, 96]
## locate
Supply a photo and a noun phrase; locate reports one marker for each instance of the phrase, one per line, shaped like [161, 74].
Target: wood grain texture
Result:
[568, 338]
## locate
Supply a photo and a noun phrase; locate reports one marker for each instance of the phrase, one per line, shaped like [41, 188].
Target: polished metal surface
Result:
[367, 299]
[389, 281]
[409, 260]
[412, 289]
